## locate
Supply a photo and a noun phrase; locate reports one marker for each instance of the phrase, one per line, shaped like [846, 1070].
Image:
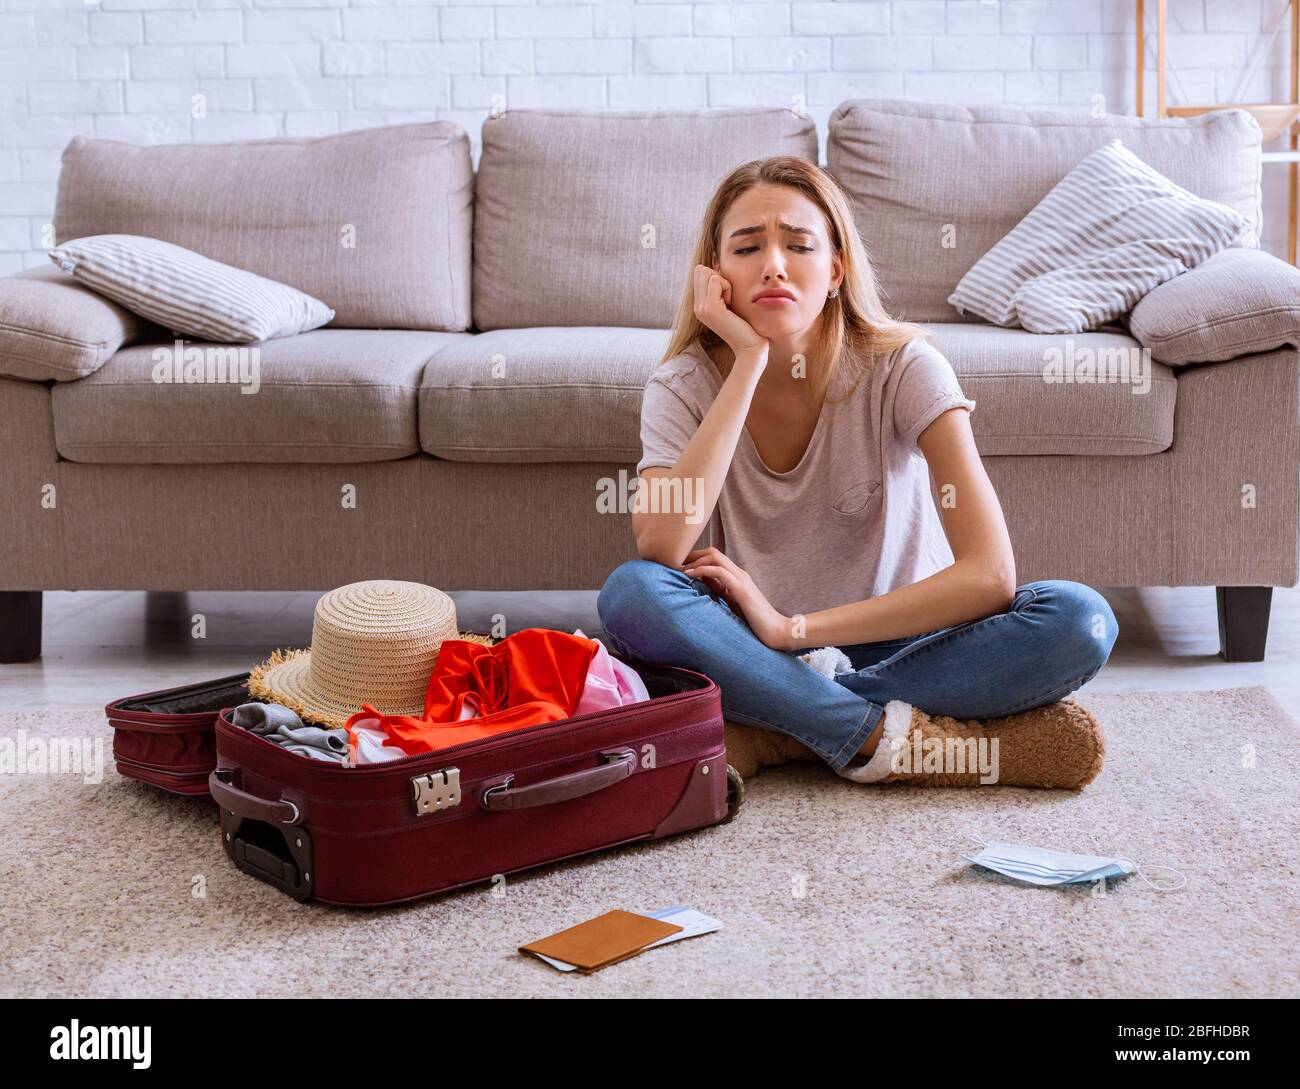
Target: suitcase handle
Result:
[617, 766]
[248, 805]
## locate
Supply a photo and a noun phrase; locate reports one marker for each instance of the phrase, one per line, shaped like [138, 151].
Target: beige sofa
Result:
[470, 419]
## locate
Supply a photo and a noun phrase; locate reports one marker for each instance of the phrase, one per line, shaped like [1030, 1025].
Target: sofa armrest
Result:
[1237, 302]
[54, 329]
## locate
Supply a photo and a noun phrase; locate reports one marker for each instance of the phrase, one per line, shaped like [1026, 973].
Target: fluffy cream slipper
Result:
[1059, 746]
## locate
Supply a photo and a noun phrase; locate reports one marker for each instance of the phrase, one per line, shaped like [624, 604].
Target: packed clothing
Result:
[286, 729]
[534, 676]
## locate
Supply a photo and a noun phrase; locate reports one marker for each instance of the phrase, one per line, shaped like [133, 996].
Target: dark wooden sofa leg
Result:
[20, 625]
[1243, 621]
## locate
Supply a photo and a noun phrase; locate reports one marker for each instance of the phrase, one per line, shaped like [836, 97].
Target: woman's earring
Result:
[834, 294]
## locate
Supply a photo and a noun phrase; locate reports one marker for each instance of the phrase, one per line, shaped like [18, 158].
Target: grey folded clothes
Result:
[282, 725]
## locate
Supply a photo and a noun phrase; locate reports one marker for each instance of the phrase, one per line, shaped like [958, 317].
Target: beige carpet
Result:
[825, 887]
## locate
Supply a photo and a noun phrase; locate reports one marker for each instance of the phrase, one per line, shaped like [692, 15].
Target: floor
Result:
[824, 888]
[102, 645]
[810, 907]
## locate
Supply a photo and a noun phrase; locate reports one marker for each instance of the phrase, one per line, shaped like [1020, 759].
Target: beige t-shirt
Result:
[856, 517]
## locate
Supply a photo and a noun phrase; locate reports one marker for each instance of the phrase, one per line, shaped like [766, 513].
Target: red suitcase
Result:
[426, 824]
[168, 738]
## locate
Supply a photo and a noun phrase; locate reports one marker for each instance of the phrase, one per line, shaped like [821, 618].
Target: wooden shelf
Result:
[1276, 119]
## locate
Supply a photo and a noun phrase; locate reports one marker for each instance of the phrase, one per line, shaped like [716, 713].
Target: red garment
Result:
[536, 675]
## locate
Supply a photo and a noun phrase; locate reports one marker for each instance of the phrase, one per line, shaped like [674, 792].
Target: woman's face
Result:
[763, 260]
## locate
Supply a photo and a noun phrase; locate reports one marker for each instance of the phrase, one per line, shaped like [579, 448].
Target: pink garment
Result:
[610, 683]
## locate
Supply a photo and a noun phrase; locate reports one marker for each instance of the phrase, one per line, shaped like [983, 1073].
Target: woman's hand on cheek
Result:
[745, 599]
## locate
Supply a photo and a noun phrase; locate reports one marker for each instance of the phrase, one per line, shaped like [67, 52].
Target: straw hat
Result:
[372, 642]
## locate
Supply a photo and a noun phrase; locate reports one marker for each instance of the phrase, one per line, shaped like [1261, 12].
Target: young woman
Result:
[805, 424]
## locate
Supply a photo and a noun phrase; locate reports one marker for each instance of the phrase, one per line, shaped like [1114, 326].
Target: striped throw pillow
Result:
[1107, 233]
[187, 293]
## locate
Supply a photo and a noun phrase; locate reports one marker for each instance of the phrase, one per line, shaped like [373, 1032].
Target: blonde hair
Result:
[854, 325]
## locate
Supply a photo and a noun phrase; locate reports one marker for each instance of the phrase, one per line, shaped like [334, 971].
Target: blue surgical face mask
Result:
[1039, 866]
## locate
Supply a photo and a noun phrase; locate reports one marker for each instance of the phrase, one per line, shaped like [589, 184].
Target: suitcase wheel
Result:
[735, 792]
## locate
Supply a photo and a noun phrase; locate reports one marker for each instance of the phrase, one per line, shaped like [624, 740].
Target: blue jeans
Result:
[1054, 638]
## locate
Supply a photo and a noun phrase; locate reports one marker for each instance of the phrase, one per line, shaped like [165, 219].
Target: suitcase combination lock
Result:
[436, 790]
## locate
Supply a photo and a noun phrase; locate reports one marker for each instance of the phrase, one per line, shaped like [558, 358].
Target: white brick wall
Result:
[131, 69]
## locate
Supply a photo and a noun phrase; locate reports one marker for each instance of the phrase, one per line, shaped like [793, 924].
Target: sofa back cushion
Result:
[590, 217]
[375, 223]
[934, 187]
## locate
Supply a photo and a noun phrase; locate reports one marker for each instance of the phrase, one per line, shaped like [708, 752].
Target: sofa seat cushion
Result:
[331, 395]
[543, 394]
[574, 394]
[1060, 394]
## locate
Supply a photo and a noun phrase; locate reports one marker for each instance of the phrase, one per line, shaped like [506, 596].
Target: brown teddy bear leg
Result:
[752, 747]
